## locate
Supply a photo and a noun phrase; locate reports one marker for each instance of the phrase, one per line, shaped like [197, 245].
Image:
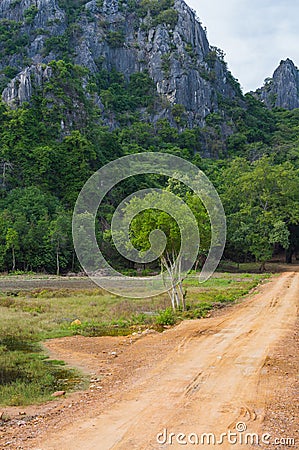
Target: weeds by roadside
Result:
[27, 318]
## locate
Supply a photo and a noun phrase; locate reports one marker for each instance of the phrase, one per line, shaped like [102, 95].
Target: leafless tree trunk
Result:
[57, 261]
[173, 266]
[5, 165]
[13, 258]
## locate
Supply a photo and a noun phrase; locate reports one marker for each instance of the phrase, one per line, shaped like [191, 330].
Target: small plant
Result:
[137, 319]
[115, 39]
[129, 272]
[166, 317]
[178, 112]
[15, 3]
[189, 48]
[200, 310]
[21, 272]
[166, 64]
[10, 72]
[29, 14]
[55, 43]
[153, 7]
[169, 17]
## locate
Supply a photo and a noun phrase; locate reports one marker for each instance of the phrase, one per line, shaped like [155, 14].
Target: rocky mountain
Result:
[282, 90]
[162, 38]
[84, 83]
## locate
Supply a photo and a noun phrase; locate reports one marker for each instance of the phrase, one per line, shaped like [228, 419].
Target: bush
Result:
[178, 112]
[29, 14]
[115, 39]
[154, 7]
[166, 317]
[201, 310]
[165, 66]
[11, 39]
[169, 17]
[10, 72]
[55, 43]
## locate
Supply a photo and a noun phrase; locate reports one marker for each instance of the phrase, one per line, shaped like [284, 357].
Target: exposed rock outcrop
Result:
[170, 44]
[20, 89]
[282, 90]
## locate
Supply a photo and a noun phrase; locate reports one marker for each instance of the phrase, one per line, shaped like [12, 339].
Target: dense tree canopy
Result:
[49, 148]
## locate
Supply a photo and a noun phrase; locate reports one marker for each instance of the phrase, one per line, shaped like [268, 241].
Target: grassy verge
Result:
[26, 318]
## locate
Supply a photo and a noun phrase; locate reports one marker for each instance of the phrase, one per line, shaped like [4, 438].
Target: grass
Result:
[28, 377]
[26, 318]
[219, 290]
[248, 267]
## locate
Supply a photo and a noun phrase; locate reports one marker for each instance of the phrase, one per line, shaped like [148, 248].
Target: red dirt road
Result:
[204, 376]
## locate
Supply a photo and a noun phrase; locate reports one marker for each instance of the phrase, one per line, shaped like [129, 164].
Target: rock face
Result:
[20, 88]
[282, 89]
[164, 38]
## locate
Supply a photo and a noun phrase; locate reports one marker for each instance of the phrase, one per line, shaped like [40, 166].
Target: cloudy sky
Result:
[255, 35]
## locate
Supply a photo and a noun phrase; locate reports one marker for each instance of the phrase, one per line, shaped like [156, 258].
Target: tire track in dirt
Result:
[207, 384]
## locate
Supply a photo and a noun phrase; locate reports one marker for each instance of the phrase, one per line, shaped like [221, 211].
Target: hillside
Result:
[162, 39]
[84, 83]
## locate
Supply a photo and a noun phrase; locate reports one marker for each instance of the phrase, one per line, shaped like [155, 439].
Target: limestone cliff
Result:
[282, 90]
[162, 37]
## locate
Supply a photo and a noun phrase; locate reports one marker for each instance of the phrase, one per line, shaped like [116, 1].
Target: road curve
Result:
[209, 383]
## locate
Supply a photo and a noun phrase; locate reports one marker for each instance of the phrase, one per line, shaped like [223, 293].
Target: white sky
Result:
[254, 34]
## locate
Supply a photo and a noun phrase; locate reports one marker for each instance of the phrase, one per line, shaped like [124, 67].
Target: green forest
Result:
[50, 147]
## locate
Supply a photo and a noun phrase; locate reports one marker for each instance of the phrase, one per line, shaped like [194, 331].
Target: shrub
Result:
[10, 72]
[166, 317]
[169, 17]
[178, 112]
[115, 39]
[29, 14]
[166, 63]
[55, 43]
[11, 40]
[154, 7]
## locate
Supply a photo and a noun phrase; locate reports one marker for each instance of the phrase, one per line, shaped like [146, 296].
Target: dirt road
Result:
[210, 382]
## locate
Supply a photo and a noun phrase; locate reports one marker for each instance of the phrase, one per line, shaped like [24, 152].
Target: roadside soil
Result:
[239, 366]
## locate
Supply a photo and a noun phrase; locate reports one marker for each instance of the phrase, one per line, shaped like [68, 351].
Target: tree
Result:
[261, 201]
[29, 212]
[163, 226]
[60, 236]
[73, 165]
[12, 242]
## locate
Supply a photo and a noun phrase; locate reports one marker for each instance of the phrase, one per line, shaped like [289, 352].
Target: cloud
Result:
[254, 34]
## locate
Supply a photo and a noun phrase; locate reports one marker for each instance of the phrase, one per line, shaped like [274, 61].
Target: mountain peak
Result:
[287, 61]
[282, 90]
